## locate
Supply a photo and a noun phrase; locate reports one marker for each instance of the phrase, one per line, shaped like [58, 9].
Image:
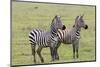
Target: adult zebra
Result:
[72, 36]
[41, 39]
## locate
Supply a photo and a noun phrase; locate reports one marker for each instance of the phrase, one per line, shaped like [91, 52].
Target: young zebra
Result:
[72, 36]
[41, 39]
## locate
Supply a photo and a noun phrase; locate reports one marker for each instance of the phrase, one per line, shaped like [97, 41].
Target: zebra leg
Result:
[77, 47]
[73, 51]
[51, 50]
[56, 50]
[56, 54]
[33, 51]
[77, 53]
[53, 53]
[39, 54]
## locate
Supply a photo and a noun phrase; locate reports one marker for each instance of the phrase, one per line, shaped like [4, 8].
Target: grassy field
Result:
[27, 16]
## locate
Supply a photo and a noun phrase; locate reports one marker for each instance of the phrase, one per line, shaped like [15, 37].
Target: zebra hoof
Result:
[57, 58]
[52, 60]
[34, 61]
[42, 61]
[75, 60]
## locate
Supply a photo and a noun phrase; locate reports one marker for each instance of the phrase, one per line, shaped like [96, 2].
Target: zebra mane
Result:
[53, 25]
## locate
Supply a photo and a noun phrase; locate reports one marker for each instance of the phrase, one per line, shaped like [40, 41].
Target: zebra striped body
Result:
[72, 36]
[41, 39]
[68, 36]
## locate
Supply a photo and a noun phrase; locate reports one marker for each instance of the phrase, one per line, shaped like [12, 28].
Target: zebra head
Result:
[79, 22]
[57, 24]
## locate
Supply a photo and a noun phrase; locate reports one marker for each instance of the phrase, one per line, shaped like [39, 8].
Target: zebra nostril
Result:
[73, 25]
[86, 27]
[64, 27]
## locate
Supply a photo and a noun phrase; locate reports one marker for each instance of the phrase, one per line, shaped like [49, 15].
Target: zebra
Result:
[42, 39]
[72, 36]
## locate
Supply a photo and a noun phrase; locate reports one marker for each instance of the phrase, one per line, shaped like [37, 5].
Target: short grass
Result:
[27, 16]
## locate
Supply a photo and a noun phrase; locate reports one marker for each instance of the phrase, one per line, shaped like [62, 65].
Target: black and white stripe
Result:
[72, 36]
[43, 39]
[68, 36]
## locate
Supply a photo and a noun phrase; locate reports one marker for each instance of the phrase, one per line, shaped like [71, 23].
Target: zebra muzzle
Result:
[86, 27]
[64, 27]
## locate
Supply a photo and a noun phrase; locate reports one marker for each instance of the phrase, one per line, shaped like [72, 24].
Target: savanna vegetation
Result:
[27, 16]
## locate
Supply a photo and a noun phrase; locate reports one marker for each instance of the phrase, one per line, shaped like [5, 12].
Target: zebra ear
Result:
[53, 20]
[82, 16]
[76, 18]
[56, 16]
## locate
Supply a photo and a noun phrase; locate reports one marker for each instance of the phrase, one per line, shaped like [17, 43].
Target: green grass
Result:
[27, 16]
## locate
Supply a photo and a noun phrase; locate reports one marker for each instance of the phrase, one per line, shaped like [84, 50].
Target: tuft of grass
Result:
[27, 16]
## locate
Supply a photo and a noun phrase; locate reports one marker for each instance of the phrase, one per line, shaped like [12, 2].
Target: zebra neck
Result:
[53, 32]
[77, 31]
[53, 37]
